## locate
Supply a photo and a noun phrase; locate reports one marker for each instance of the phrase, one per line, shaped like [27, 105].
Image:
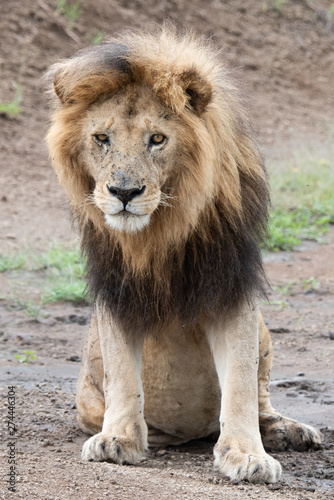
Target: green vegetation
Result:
[307, 285]
[311, 284]
[31, 309]
[26, 356]
[278, 4]
[303, 200]
[285, 289]
[70, 10]
[96, 38]
[273, 4]
[12, 262]
[13, 108]
[277, 305]
[64, 269]
[56, 275]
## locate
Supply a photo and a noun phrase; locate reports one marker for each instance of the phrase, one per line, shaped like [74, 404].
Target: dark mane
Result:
[108, 55]
[210, 276]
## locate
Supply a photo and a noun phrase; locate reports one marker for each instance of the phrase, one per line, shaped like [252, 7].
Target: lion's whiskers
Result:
[164, 197]
[90, 200]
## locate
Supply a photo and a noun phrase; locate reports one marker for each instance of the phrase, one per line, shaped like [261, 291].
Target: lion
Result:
[150, 140]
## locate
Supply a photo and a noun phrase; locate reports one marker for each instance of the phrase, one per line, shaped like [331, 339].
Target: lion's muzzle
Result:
[128, 209]
[125, 195]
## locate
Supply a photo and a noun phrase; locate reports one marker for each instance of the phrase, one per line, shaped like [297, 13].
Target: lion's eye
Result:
[103, 138]
[157, 139]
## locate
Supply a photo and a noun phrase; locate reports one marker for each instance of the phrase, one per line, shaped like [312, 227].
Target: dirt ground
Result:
[284, 61]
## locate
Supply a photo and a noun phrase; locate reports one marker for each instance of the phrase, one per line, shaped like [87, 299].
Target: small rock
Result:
[161, 453]
[331, 334]
[74, 358]
[300, 374]
[280, 330]
[274, 487]
[46, 443]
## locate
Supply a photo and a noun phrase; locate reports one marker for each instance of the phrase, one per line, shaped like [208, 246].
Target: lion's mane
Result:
[200, 254]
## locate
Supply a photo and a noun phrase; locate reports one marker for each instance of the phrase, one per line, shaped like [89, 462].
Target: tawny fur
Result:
[175, 271]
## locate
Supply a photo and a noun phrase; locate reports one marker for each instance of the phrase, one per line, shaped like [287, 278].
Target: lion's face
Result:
[152, 147]
[130, 140]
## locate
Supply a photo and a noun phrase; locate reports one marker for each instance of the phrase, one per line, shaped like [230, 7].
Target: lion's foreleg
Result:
[89, 396]
[123, 438]
[239, 453]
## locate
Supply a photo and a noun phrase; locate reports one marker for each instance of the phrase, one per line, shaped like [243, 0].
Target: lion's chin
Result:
[127, 222]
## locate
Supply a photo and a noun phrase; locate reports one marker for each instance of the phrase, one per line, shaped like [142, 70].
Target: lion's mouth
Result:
[128, 213]
[125, 213]
[127, 222]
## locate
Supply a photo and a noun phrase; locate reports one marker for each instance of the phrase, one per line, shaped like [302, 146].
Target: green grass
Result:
[56, 275]
[71, 11]
[12, 262]
[303, 200]
[26, 357]
[65, 269]
[96, 38]
[13, 108]
[278, 4]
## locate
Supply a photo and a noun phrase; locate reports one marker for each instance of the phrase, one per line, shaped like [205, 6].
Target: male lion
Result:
[154, 150]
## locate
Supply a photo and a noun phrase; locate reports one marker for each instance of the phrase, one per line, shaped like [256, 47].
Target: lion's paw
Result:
[279, 433]
[120, 450]
[252, 467]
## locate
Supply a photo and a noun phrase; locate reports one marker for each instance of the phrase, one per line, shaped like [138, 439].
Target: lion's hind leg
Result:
[278, 432]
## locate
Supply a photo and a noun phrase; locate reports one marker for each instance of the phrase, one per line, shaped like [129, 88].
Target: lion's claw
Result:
[239, 466]
[120, 450]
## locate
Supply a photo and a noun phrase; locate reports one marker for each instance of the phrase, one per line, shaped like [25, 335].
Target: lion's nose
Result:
[125, 195]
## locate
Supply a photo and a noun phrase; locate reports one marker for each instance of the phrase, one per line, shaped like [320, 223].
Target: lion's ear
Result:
[62, 81]
[58, 87]
[80, 87]
[197, 90]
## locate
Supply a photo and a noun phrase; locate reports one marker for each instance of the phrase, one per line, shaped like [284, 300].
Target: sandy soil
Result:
[284, 60]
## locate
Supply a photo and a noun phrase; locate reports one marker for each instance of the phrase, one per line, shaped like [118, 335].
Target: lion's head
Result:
[153, 147]
[132, 149]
